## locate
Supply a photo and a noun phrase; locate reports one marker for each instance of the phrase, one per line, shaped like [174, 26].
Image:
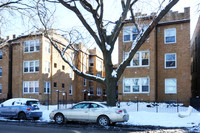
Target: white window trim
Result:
[165, 30]
[140, 86]
[47, 47]
[171, 92]
[131, 34]
[29, 87]
[29, 66]
[35, 42]
[140, 60]
[175, 61]
[47, 82]
[47, 67]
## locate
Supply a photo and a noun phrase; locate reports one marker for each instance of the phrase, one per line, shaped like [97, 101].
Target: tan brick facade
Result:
[33, 70]
[156, 72]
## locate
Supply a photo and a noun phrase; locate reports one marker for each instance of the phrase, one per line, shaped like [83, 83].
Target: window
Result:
[98, 75]
[54, 84]
[136, 85]
[104, 92]
[0, 71]
[55, 65]
[47, 47]
[0, 88]
[1, 54]
[170, 60]
[47, 67]
[129, 33]
[99, 91]
[31, 87]
[170, 86]
[31, 46]
[31, 66]
[70, 90]
[140, 59]
[63, 85]
[126, 54]
[145, 58]
[91, 91]
[85, 82]
[136, 59]
[99, 64]
[170, 36]
[63, 67]
[47, 87]
[91, 62]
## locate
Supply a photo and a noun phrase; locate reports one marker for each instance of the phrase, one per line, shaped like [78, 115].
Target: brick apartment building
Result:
[161, 68]
[30, 67]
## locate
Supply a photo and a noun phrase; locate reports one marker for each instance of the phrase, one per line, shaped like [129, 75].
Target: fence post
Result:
[156, 107]
[137, 103]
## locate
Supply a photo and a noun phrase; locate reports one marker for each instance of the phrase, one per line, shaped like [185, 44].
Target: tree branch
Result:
[81, 18]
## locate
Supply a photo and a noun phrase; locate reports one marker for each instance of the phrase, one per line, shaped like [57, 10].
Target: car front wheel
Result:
[103, 121]
[59, 119]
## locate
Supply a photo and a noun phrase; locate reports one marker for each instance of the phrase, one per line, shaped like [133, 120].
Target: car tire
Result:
[22, 116]
[103, 120]
[59, 119]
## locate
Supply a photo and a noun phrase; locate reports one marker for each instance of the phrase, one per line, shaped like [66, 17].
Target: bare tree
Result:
[106, 41]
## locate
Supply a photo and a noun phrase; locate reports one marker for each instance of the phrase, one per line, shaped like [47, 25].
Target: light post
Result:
[58, 98]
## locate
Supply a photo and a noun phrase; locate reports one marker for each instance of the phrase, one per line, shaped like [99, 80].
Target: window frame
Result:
[28, 44]
[140, 84]
[46, 83]
[131, 30]
[174, 91]
[165, 35]
[28, 67]
[28, 84]
[140, 53]
[165, 61]
[99, 91]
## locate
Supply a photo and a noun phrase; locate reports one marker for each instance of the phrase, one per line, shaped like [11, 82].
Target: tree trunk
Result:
[111, 91]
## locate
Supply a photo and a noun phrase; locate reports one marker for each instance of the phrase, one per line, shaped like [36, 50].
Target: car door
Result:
[95, 111]
[79, 112]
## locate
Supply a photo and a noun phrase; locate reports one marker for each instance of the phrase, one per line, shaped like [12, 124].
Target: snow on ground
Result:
[139, 114]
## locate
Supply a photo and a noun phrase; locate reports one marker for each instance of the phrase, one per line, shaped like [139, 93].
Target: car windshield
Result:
[31, 103]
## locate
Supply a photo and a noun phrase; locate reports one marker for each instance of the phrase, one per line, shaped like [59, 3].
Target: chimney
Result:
[14, 36]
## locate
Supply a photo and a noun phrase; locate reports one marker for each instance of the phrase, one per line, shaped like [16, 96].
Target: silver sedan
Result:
[90, 112]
